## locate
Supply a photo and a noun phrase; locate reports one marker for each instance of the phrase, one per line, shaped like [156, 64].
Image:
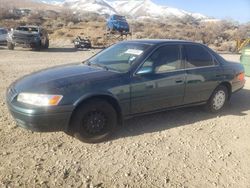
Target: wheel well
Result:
[229, 88]
[113, 102]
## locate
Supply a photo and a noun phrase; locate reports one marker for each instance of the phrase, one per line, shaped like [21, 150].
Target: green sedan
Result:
[88, 100]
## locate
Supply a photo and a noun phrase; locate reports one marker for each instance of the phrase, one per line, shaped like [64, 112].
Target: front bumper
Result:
[121, 29]
[3, 43]
[25, 43]
[48, 121]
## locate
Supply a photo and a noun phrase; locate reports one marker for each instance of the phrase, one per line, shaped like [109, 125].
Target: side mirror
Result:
[145, 70]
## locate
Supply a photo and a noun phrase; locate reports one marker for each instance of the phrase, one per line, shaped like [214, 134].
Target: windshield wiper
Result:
[97, 65]
[102, 66]
[86, 62]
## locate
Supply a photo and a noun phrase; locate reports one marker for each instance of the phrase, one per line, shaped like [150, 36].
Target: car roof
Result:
[161, 41]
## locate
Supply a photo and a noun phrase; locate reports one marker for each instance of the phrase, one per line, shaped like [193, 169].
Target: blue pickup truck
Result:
[118, 23]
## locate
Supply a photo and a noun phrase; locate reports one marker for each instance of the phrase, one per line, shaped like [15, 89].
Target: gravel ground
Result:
[180, 148]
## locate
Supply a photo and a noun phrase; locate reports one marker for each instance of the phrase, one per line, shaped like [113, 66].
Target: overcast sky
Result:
[238, 10]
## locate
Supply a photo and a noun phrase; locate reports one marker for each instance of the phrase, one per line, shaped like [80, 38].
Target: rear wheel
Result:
[218, 99]
[94, 121]
[10, 46]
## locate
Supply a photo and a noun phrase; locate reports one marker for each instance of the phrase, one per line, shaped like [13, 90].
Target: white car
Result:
[3, 36]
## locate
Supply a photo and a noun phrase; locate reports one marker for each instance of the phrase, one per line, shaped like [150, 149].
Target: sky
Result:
[238, 10]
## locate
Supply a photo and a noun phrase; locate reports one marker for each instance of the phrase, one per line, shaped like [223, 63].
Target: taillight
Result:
[241, 76]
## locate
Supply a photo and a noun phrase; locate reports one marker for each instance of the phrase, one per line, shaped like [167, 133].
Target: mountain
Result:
[131, 8]
[146, 8]
[96, 6]
[29, 4]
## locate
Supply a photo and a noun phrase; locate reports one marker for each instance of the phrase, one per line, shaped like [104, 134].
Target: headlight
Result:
[10, 35]
[39, 99]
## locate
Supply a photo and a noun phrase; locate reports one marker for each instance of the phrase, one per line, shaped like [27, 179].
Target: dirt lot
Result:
[180, 148]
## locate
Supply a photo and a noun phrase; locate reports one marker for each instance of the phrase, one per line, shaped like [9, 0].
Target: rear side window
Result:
[197, 56]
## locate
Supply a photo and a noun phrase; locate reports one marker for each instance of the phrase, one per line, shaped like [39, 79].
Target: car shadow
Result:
[63, 50]
[98, 47]
[68, 49]
[240, 102]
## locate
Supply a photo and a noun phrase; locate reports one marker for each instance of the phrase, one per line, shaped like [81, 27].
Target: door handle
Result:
[220, 76]
[179, 81]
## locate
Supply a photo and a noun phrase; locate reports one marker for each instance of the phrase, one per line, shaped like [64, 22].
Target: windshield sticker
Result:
[134, 52]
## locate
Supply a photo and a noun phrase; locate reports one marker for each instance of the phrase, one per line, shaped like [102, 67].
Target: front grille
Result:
[22, 37]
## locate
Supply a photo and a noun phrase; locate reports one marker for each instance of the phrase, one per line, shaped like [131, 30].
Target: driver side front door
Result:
[164, 86]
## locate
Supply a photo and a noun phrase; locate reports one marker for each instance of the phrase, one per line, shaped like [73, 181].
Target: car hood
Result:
[58, 77]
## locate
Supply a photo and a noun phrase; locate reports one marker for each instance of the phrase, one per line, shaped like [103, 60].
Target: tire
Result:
[218, 99]
[46, 45]
[10, 46]
[38, 47]
[94, 121]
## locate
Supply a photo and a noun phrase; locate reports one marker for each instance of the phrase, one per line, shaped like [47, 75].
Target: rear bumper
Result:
[236, 86]
[50, 121]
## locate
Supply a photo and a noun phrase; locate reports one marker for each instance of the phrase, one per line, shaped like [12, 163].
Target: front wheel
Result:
[94, 121]
[218, 99]
[37, 47]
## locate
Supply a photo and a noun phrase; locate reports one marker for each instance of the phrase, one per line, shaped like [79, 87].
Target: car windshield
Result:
[119, 57]
[121, 18]
[30, 29]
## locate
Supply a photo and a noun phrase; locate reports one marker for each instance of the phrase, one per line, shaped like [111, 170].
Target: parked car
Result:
[82, 42]
[28, 37]
[128, 79]
[118, 23]
[3, 36]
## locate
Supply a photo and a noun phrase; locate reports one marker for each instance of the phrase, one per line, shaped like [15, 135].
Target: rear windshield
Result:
[30, 29]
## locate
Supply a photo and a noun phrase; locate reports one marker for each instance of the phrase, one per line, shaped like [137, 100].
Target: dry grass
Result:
[64, 24]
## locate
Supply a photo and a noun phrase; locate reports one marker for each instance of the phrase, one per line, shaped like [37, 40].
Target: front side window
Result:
[164, 59]
[197, 56]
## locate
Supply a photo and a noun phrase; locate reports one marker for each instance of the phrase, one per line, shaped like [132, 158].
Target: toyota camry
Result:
[131, 78]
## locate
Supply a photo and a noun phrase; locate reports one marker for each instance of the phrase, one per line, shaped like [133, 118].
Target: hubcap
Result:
[219, 100]
[95, 122]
